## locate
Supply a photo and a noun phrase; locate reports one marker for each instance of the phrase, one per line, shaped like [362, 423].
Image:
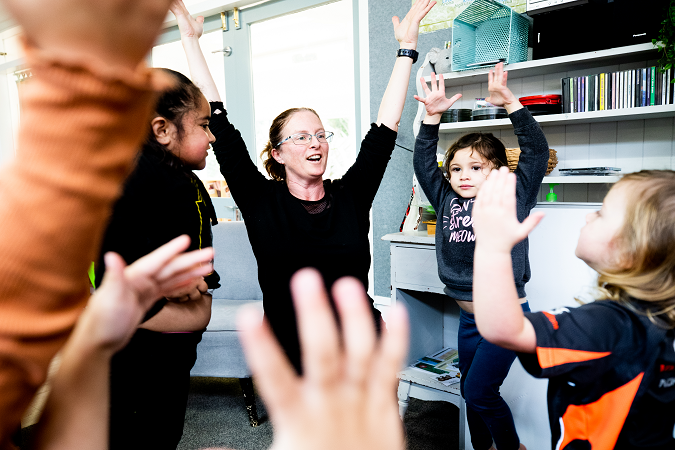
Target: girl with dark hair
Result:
[298, 219]
[452, 191]
[162, 199]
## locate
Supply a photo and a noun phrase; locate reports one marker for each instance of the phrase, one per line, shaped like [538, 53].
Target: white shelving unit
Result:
[612, 115]
[571, 179]
[644, 142]
[579, 61]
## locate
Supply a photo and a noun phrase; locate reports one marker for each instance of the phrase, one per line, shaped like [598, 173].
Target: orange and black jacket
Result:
[611, 377]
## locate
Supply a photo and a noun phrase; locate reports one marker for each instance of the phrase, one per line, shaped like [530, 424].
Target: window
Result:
[312, 66]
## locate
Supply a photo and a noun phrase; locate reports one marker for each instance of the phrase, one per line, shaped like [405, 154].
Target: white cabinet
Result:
[433, 318]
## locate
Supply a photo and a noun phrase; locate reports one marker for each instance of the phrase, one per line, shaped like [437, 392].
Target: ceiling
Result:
[205, 7]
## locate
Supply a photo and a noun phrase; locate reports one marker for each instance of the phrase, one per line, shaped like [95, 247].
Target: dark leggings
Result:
[484, 367]
[149, 384]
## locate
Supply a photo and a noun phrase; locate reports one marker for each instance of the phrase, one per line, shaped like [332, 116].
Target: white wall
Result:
[6, 138]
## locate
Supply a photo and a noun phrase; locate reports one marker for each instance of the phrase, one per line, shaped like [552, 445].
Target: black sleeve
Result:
[245, 181]
[134, 228]
[533, 162]
[429, 175]
[579, 341]
[366, 174]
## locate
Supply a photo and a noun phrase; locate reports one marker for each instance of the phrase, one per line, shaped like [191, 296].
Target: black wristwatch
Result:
[409, 53]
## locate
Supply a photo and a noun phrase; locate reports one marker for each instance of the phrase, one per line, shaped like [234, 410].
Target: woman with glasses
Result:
[297, 219]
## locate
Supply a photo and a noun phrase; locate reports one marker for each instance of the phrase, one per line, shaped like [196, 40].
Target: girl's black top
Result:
[159, 202]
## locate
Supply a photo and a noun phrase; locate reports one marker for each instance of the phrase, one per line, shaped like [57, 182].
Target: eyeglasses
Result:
[305, 138]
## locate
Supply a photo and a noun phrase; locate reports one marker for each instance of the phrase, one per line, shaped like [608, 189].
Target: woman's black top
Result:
[288, 234]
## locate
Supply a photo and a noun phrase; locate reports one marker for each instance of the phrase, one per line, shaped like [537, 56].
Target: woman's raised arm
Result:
[406, 32]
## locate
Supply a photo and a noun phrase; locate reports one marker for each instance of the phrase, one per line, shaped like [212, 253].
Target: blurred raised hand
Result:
[77, 409]
[115, 32]
[346, 398]
[494, 213]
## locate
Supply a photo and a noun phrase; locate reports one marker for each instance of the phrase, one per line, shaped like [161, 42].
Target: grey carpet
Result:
[216, 417]
[431, 425]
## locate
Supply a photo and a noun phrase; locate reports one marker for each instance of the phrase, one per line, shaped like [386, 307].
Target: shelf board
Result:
[581, 179]
[579, 61]
[410, 237]
[612, 115]
[415, 376]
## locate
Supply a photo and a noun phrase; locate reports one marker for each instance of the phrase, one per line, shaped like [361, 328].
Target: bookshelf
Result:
[630, 138]
[576, 62]
[612, 115]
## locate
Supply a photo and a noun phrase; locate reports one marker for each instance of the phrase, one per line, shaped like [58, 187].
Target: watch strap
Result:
[409, 53]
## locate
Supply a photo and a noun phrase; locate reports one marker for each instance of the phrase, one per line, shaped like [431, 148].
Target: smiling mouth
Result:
[314, 158]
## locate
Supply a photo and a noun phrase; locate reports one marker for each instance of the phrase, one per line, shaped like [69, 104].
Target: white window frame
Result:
[8, 65]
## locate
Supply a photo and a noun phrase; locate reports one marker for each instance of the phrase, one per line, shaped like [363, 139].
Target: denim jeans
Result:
[484, 367]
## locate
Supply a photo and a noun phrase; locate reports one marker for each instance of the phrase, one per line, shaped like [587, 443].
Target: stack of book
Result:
[618, 90]
[594, 171]
[441, 366]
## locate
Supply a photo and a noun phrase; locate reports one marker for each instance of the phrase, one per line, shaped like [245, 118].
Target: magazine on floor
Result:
[441, 366]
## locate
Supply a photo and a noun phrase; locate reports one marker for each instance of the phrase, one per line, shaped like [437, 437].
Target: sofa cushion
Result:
[224, 313]
[220, 355]
[235, 263]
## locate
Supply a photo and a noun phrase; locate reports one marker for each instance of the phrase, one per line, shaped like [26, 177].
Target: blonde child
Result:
[611, 363]
[452, 190]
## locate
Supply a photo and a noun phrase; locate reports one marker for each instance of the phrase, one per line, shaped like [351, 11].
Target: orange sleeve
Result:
[81, 127]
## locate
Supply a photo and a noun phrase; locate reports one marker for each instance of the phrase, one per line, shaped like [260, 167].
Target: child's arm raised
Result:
[500, 95]
[431, 178]
[191, 30]
[406, 32]
[499, 316]
[435, 101]
[534, 153]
